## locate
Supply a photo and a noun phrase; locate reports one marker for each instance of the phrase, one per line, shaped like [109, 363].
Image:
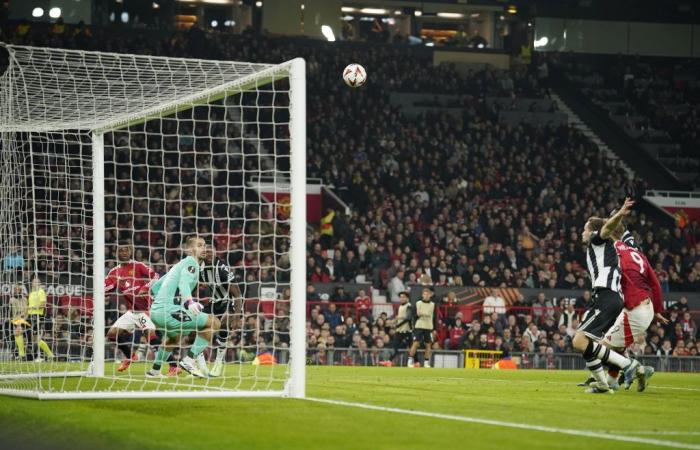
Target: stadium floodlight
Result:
[103, 148]
[37, 12]
[328, 33]
[541, 42]
[375, 11]
[55, 12]
[450, 15]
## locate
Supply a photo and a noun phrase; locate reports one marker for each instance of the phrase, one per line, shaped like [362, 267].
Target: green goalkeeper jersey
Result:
[180, 281]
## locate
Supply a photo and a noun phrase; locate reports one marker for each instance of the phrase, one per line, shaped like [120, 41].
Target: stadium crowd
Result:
[653, 99]
[535, 331]
[440, 199]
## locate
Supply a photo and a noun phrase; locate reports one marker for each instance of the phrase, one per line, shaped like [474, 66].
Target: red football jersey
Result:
[132, 280]
[639, 281]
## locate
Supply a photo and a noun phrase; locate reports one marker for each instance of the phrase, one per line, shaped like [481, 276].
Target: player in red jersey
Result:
[643, 300]
[132, 280]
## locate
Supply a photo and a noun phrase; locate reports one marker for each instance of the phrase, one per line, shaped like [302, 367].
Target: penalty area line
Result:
[505, 424]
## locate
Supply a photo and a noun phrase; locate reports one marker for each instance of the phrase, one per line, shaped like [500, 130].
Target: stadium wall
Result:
[631, 38]
[472, 59]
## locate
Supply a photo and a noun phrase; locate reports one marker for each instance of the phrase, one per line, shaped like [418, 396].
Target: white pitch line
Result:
[501, 380]
[674, 388]
[665, 433]
[522, 426]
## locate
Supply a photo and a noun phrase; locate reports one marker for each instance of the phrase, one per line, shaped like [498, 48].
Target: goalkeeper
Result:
[176, 313]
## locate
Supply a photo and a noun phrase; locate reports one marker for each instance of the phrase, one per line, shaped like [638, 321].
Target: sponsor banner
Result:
[56, 290]
[684, 210]
[473, 296]
[279, 194]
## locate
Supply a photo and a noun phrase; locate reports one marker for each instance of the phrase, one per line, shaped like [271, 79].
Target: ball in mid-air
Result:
[354, 75]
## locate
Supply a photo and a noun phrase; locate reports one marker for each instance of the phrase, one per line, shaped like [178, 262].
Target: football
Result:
[354, 75]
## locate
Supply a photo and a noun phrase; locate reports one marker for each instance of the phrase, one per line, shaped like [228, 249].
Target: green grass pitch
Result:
[667, 415]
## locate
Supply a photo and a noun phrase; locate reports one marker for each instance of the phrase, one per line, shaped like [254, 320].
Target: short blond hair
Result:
[191, 241]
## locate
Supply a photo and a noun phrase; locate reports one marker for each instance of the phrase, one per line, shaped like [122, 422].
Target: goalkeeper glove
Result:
[193, 306]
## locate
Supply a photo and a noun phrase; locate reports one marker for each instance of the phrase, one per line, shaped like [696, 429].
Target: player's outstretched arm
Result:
[149, 274]
[612, 223]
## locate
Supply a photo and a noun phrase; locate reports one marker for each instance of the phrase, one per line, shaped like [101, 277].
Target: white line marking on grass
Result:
[501, 380]
[457, 378]
[674, 388]
[665, 433]
[522, 426]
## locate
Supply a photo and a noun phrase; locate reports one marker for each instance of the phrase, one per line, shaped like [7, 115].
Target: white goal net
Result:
[111, 167]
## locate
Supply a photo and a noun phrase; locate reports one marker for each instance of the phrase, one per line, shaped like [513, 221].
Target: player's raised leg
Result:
[119, 333]
[206, 325]
[162, 355]
[122, 332]
[221, 340]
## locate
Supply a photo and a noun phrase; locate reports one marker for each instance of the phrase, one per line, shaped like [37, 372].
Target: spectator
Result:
[680, 349]
[333, 316]
[340, 295]
[494, 303]
[457, 331]
[320, 275]
[350, 267]
[681, 305]
[532, 333]
[568, 316]
[13, 260]
[688, 325]
[666, 349]
[311, 295]
[541, 308]
[363, 304]
[396, 286]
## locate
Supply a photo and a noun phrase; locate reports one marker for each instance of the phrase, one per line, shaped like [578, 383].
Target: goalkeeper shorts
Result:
[178, 322]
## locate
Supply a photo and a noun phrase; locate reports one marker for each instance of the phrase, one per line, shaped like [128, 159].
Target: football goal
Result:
[115, 161]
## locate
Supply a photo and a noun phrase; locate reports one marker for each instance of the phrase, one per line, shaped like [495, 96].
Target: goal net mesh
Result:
[185, 145]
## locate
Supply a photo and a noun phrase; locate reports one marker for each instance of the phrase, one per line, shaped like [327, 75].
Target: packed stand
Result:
[536, 330]
[655, 100]
[449, 200]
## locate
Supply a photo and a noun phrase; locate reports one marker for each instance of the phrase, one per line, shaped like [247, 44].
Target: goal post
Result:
[98, 238]
[101, 149]
[297, 384]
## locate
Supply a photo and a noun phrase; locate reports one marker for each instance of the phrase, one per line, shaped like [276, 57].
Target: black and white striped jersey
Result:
[219, 277]
[603, 266]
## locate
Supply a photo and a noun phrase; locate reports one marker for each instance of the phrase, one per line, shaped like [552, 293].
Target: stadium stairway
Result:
[576, 122]
[610, 139]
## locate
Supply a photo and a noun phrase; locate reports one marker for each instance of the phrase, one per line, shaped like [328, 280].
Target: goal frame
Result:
[295, 385]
